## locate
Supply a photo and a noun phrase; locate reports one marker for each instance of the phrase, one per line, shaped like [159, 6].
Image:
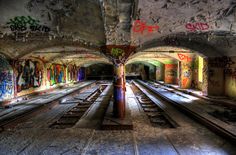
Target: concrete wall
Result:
[230, 78]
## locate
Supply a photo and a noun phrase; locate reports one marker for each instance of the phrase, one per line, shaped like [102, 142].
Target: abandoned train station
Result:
[118, 77]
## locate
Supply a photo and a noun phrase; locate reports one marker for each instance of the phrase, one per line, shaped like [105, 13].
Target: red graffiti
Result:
[171, 66]
[140, 27]
[184, 57]
[197, 26]
[184, 82]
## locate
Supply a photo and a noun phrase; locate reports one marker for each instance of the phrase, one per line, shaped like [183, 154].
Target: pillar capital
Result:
[118, 54]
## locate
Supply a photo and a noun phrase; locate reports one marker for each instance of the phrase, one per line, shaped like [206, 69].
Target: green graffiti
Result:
[117, 52]
[22, 21]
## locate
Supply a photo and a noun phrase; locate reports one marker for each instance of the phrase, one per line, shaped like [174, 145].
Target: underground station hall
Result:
[117, 77]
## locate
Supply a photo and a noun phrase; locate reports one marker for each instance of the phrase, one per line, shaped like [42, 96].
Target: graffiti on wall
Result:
[183, 57]
[6, 79]
[186, 74]
[26, 23]
[29, 74]
[140, 27]
[81, 74]
[117, 53]
[170, 73]
[56, 73]
[197, 26]
[73, 73]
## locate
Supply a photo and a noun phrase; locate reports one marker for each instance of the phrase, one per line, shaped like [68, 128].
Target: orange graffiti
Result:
[184, 57]
[171, 66]
[184, 82]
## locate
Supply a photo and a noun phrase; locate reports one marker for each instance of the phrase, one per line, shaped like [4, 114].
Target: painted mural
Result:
[6, 79]
[56, 73]
[73, 73]
[29, 74]
[171, 73]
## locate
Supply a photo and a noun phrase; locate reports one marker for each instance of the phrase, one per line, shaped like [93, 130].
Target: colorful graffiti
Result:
[56, 73]
[197, 26]
[6, 79]
[186, 75]
[24, 23]
[183, 57]
[73, 73]
[171, 73]
[140, 27]
[29, 74]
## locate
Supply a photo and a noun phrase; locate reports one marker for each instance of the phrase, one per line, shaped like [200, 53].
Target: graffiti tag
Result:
[140, 27]
[184, 57]
[197, 26]
[117, 52]
[23, 23]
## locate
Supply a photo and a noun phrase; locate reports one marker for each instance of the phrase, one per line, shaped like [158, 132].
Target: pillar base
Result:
[113, 123]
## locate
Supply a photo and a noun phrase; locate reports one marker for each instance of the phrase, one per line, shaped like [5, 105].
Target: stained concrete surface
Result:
[189, 138]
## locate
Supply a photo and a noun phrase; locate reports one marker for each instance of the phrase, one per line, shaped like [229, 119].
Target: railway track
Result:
[219, 123]
[20, 115]
[71, 117]
[157, 116]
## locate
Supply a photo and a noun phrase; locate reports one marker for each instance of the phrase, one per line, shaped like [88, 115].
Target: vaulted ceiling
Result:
[56, 29]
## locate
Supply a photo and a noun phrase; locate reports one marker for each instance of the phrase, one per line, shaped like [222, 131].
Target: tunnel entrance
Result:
[99, 72]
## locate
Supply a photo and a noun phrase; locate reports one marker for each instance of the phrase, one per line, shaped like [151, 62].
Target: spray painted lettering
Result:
[183, 57]
[22, 23]
[140, 27]
[197, 27]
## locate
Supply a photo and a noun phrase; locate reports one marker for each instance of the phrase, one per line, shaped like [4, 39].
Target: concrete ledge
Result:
[92, 119]
[111, 123]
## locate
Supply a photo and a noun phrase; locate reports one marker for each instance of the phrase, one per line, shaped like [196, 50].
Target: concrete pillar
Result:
[119, 92]
[205, 77]
[160, 73]
[171, 73]
[186, 74]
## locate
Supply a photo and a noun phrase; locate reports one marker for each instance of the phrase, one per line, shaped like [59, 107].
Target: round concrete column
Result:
[119, 92]
[186, 75]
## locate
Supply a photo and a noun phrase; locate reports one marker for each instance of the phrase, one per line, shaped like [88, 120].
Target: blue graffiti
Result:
[61, 77]
[5, 88]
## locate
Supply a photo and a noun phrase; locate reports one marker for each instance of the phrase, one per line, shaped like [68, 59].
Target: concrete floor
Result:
[189, 138]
